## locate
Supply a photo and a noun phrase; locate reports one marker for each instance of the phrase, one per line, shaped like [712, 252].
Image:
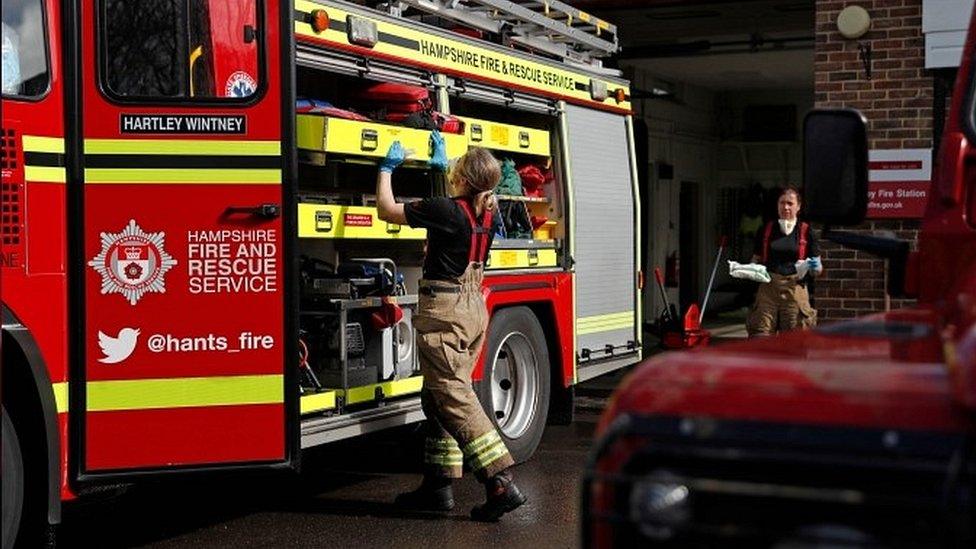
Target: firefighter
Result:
[791, 255]
[451, 324]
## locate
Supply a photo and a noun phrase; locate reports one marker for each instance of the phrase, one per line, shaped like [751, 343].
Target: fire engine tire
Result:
[515, 387]
[13, 482]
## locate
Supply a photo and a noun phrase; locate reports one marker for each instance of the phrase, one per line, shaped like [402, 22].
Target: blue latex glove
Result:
[438, 156]
[814, 264]
[394, 157]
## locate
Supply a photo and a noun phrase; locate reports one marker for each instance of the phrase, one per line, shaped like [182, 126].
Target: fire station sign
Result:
[898, 182]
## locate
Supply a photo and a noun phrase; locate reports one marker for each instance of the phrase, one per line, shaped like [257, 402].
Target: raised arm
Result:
[388, 209]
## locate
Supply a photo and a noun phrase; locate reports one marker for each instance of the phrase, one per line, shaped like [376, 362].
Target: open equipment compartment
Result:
[527, 138]
[358, 273]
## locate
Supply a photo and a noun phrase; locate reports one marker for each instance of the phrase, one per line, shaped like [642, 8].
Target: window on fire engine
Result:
[201, 49]
[25, 71]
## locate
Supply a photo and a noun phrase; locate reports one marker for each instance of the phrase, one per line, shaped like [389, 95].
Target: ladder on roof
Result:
[547, 26]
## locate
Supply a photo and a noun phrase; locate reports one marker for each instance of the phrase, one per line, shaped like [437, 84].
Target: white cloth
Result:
[787, 226]
[801, 268]
[749, 271]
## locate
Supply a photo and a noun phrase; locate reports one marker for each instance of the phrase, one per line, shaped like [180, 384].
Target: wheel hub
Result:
[514, 379]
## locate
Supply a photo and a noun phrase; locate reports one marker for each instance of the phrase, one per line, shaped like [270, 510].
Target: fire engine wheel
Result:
[13, 482]
[515, 388]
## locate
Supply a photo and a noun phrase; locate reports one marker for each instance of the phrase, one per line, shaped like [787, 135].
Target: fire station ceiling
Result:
[721, 45]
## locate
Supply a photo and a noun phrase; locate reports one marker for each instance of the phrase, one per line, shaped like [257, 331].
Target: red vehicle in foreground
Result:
[857, 434]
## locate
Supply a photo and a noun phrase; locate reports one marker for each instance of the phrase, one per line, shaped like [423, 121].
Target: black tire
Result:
[516, 343]
[13, 482]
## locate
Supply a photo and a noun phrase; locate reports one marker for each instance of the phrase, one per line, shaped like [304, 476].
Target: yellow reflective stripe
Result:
[605, 323]
[488, 456]
[442, 444]
[182, 175]
[60, 396]
[317, 402]
[141, 394]
[182, 146]
[599, 319]
[482, 442]
[444, 461]
[45, 174]
[35, 143]
[390, 389]
[443, 449]
[453, 453]
[604, 328]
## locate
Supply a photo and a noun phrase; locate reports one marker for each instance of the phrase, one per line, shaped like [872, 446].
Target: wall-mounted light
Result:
[853, 22]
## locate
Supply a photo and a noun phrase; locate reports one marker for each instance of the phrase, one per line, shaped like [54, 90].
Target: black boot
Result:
[434, 495]
[502, 496]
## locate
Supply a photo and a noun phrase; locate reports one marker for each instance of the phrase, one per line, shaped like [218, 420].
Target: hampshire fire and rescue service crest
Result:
[132, 262]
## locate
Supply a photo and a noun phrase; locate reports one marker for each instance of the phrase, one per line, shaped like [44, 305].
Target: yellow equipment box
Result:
[373, 139]
[506, 137]
[335, 221]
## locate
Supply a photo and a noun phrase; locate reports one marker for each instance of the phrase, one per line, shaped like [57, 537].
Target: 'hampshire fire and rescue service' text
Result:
[232, 261]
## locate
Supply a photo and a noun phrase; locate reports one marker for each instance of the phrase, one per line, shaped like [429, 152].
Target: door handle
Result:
[268, 211]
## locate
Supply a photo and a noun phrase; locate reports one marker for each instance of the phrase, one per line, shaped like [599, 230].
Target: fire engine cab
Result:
[194, 277]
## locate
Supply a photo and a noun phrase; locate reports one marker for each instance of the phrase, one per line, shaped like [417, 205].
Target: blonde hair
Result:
[477, 172]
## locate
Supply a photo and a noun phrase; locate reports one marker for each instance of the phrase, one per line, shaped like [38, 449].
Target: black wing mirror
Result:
[835, 166]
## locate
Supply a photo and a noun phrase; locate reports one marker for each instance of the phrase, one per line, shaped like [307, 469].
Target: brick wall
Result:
[897, 102]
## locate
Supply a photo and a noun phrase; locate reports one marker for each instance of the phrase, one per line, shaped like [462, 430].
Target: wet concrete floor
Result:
[343, 498]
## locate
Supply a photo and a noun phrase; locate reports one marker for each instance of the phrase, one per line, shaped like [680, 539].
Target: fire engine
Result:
[194, 275]
[856, 434]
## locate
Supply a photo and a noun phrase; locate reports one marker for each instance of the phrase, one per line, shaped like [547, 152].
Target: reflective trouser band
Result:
[485, 450]
[443, 452]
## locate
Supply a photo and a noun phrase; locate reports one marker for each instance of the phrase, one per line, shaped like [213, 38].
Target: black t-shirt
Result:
[783, 249]
[448, 235]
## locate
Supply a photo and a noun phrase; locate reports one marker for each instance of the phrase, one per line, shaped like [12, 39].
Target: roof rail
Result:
[546, 26]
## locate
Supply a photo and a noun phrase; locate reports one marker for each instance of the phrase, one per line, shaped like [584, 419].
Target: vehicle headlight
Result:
[660, 504]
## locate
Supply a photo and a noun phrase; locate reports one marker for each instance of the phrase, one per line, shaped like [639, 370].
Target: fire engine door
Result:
[183, 335]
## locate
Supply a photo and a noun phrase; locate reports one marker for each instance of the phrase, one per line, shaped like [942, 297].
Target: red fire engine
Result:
[857, 434]
[194, 275]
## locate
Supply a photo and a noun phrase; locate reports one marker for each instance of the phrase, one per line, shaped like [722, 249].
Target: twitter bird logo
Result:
[116, 349]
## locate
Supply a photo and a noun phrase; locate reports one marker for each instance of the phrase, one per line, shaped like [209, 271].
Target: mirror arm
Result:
[894, 250]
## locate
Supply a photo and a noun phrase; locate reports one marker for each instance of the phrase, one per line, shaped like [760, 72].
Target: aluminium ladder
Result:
[547, 26]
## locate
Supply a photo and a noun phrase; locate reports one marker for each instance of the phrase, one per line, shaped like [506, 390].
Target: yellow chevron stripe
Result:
[60, 396]
[45, 174]
[605, 323]
[317, 402]
[182, 146]
[35, 143]
[182, 175]
[390, 389]
[603, 319]
[143, 394]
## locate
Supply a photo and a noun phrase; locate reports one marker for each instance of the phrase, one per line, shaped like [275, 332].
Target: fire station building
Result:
[721, 89]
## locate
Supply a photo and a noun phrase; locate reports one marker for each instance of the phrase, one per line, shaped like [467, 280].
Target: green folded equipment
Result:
[511, 183]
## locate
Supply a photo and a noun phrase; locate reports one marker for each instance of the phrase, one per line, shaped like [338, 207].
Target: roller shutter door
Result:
[604, 227]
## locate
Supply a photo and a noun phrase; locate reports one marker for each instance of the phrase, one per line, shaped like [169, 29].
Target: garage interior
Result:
[720, 91]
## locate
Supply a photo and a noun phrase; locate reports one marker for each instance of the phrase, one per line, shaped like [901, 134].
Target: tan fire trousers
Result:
[781, 304]
[451, 324]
